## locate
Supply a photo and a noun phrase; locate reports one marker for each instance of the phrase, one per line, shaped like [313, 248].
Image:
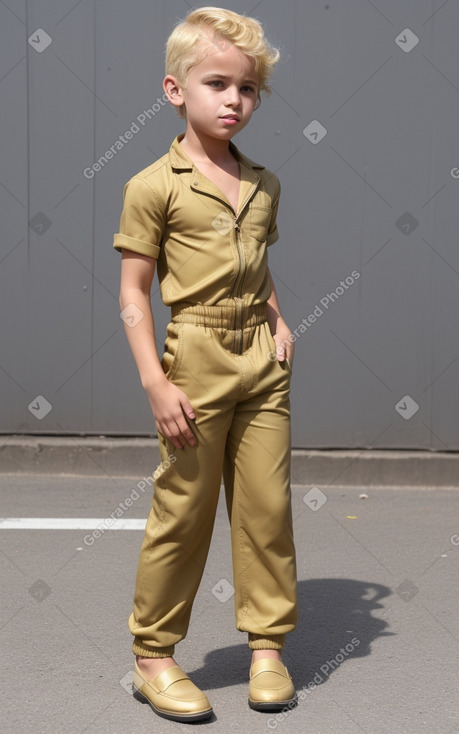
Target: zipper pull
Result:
[236, 225]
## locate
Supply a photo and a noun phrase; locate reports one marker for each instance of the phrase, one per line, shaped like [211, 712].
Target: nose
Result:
[233, 98]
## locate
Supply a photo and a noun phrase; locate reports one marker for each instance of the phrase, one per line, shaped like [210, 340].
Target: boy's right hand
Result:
[170, 405]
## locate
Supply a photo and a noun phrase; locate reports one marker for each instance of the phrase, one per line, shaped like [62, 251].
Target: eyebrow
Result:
[226, 76]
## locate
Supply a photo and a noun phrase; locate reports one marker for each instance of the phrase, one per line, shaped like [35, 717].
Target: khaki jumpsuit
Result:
[212, 269]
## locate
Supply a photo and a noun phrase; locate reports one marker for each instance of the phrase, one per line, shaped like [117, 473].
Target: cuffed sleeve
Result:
[142, 221]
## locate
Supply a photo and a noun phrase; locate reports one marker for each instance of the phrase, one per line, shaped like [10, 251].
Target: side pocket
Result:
[173, 349]
[284, 365]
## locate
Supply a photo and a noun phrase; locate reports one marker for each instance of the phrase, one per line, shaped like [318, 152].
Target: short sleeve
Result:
[273, 234]
[142, 221]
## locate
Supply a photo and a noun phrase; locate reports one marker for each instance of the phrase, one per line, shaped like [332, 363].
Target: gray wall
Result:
[377, 194]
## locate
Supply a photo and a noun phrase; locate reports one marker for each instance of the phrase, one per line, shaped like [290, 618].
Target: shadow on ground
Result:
[333, 613]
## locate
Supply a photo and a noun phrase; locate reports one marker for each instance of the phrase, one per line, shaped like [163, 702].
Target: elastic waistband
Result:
[236, 315]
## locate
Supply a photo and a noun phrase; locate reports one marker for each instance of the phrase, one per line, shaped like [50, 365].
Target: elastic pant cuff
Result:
[149, 652]
[263, 642]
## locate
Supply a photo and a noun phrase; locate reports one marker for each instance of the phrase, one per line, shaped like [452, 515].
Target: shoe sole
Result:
[200, 716]
[273, 705]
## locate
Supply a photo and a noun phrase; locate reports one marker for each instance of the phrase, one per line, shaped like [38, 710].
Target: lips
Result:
[230, 117]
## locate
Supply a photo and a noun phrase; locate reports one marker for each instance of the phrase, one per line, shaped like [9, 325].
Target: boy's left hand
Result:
[285, 346]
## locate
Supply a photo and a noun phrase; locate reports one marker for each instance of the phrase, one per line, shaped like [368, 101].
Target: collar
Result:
[181, 162]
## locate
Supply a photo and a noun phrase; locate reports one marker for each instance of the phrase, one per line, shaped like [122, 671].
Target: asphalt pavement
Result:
[375, 650]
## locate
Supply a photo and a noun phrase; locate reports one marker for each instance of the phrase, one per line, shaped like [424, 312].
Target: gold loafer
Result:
[271, 687]
[172, 695]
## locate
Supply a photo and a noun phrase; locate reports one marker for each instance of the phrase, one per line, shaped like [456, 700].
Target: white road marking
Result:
[70, 523]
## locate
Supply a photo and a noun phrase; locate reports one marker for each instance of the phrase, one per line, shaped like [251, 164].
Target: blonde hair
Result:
[185, 47]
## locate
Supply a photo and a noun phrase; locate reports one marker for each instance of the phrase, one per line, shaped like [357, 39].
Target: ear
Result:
[173, 90]
[257, 103]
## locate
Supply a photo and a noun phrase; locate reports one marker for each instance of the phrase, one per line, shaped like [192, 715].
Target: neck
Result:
[202, 147]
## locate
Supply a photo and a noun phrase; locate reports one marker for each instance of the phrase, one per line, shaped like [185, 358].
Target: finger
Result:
[187, 407]
[171, 434]
[186, 433]
[177, 440]
[281, 353]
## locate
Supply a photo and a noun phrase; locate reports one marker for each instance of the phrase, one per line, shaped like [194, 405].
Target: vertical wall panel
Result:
[13, 204]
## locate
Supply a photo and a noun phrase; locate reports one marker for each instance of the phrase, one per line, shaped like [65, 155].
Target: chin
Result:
[223, 133]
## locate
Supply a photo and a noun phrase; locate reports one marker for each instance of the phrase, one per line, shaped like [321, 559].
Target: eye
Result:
[248, 88]
[215, 83]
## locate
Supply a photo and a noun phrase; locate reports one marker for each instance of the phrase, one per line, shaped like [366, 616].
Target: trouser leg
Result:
[179, 527]
[257, 484]
[174, 549]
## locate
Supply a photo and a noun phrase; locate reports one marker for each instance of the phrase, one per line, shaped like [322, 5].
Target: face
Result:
[221, 91]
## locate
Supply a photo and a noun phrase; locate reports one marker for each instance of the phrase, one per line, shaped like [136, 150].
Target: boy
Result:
[206, 214]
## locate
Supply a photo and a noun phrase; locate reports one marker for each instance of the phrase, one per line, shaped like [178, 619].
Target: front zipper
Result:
[241, 256]
[236, 290]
